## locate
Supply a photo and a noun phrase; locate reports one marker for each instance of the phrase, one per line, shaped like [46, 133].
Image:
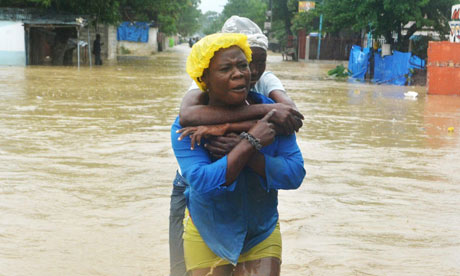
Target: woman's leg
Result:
[270, 266]
[222, 270]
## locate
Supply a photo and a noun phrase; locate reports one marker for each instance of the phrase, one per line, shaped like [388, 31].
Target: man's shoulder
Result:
[267, 75]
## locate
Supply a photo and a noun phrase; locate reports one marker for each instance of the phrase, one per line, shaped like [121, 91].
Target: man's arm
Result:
[195, 111]
[279, 96]
[288, 125]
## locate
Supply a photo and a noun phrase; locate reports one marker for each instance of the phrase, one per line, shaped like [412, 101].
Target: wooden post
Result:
[89, 49]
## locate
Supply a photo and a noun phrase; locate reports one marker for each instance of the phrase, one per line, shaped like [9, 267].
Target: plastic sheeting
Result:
[395, 69]
[133, 31]
[358, 62]
[416, 62]
[392, 69]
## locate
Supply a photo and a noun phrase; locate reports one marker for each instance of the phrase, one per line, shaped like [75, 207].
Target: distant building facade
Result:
[28, 37]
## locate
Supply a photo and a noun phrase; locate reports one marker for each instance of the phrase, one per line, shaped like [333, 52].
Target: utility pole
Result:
[318, 53]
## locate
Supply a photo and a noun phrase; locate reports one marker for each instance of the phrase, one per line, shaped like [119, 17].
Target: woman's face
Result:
[258, 64]
[228, 77]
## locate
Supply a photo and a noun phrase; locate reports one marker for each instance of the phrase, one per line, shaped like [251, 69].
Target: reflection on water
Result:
[86, 170]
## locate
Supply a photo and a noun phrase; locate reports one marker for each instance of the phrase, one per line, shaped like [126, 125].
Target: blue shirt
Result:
[233, 219]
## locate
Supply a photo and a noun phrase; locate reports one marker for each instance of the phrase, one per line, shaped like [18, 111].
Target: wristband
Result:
[252, 140]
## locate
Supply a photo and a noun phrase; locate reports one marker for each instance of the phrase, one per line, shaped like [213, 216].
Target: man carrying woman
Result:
[232, 224]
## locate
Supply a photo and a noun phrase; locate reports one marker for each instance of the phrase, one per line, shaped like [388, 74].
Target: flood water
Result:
[86, 168]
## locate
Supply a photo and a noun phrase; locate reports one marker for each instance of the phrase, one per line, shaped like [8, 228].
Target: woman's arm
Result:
[244, 151]
[209, 177]
[284, 169]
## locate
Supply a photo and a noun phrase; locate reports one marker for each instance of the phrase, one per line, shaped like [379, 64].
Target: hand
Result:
[287, 119]
[198, 132]
[220, 146]
[264, 130]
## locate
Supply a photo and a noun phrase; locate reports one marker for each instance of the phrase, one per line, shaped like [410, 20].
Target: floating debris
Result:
[411, 94]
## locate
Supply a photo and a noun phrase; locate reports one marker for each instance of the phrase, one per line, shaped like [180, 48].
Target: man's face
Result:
[258, 64]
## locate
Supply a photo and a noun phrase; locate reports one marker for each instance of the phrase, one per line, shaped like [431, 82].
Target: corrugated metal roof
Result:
[40, 17]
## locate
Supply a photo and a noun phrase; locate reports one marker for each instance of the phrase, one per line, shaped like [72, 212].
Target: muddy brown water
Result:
[86, 168]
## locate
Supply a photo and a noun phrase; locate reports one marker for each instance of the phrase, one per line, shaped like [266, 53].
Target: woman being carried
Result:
[232, 219]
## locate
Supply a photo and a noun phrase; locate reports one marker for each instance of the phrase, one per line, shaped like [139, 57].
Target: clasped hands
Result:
[222, 138]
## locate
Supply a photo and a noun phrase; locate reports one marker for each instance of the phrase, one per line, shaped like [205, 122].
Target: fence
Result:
[331, 48]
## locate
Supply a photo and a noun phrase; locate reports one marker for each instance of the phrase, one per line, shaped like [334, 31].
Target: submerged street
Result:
[86, 170]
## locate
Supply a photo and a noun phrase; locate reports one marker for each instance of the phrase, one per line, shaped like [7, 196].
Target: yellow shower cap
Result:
[203, 51]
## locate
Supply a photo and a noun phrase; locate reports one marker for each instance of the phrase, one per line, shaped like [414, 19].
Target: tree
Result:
[387, 18]
[252, 9]
[189, 19]
[283, 12]
[211, 22]
[165, 13]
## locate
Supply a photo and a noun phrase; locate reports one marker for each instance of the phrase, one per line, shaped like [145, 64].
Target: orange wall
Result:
[443, 68]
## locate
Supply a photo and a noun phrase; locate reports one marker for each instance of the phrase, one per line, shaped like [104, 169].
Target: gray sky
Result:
[212, 5]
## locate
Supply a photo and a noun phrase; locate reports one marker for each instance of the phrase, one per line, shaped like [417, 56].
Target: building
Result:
[31, 37]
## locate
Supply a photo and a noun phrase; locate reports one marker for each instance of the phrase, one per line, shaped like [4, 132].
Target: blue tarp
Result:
[358, 62]
[416, 62]
[133, 31]
[396, 68]
[392, 69]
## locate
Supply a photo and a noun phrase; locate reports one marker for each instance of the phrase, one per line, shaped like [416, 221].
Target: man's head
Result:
[258, 64]
[256, 39]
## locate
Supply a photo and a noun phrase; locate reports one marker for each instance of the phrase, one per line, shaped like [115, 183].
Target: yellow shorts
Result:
[198, 255]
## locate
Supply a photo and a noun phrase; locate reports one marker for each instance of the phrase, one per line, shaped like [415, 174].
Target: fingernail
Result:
[177, 131]
[179, 138]
[205, 145]
[191, 148]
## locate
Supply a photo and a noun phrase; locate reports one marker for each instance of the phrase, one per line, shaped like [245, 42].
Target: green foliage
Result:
[306, 20]
[166, 13]
[189, 19]
[252, 9]
[386, 17]
[420, 46]
[212, 22]
[283, 13]
[340, 72]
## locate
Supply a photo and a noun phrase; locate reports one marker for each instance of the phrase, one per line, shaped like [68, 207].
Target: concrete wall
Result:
[137, 48]
[112, 42]
[443, 68]
[111, 47]
[12, 43]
